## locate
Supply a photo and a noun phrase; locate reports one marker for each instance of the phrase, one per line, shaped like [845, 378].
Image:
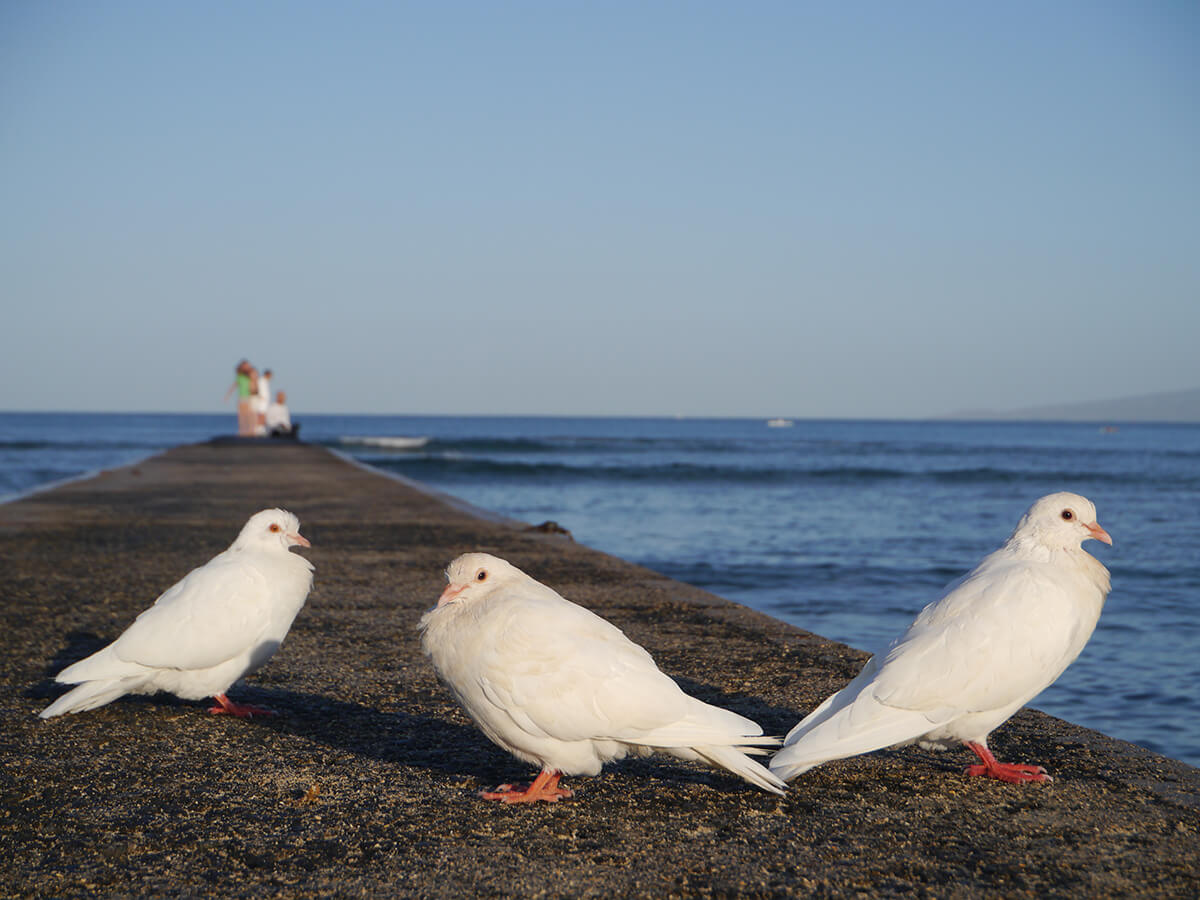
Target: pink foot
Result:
[1013, 773]
[226, 707]
[545, 787]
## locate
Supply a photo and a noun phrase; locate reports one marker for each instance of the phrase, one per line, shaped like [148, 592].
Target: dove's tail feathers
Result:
[837, 732]
[721, 738]
[92, 694]
[833, 703]
[761, 746]
[736, 761]
[756, 744]
[704, 725]
[103, 665]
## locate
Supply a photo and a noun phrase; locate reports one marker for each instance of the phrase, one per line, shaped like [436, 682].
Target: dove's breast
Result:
[1040, 640]
[504, 676]
[291, 586]
[290, 581]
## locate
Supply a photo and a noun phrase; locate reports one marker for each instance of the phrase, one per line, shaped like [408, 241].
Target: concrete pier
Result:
[365, 784]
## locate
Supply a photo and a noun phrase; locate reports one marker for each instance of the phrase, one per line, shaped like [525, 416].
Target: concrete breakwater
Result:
[365, 783]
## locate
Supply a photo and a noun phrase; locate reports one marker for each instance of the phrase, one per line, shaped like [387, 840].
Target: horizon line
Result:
[998, 418]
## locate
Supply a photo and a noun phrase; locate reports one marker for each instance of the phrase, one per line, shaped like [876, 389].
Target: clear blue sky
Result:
[840, 209]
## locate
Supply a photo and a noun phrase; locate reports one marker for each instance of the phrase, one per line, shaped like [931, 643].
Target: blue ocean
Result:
[845, 528]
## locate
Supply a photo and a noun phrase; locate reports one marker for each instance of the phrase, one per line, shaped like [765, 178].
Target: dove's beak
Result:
[450, 594]
[1099, 533]
[298, 538]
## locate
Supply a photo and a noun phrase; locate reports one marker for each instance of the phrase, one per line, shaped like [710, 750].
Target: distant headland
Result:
[1168, 406]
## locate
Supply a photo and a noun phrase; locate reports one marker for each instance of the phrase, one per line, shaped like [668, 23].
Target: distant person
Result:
[279, 420]
[243, 383]
[264, 396]
[262, 399]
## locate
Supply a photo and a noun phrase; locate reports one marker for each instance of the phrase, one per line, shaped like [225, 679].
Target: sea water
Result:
[845, 528]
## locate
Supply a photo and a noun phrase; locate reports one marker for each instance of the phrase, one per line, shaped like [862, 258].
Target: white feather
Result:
[992, 642]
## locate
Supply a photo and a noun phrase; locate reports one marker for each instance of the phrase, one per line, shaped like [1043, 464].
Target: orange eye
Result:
[275, 529]
[481, 575]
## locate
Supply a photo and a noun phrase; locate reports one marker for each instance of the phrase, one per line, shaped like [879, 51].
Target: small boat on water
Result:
[387, 442]
[780, 423]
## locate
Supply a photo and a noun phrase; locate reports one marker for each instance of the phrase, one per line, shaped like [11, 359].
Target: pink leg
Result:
[1014, 773]
[545, 787]
[226, 707]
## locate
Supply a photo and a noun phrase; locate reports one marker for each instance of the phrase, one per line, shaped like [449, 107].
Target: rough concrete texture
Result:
[366, 782]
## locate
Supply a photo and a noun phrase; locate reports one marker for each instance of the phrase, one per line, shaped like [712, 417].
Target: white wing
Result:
[998, 637]
[213, 614]
[561, 671]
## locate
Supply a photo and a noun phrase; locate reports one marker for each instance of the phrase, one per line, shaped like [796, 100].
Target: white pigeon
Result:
[992, 642]
[217, 624]
[558, 686]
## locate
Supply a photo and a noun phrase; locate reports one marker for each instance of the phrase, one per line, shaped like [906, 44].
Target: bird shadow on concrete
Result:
[438, 744]
[76, 646]
[395, 737]
[417, 740]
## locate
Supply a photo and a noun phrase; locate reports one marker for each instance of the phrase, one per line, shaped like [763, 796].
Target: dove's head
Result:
[1062, 520]
[473, 576]
[271, 529]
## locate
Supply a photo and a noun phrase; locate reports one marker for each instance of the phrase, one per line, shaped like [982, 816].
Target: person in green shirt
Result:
[243, 383]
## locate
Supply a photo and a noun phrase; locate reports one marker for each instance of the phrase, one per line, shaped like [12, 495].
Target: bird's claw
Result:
[545, 787]
[1013, 773]
[227, 707]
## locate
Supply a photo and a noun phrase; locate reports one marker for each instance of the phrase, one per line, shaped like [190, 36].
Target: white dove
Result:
[992, 642]
[558, 686]
[217, 624]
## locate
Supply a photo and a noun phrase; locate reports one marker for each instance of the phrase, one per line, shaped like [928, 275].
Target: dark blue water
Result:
[843, 528]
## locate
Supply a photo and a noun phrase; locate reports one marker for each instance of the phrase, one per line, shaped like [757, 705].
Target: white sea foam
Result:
[392, 442]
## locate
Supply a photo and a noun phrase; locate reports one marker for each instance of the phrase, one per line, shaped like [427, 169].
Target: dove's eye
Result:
[274, 528]
[481, 575]
[1068, 515]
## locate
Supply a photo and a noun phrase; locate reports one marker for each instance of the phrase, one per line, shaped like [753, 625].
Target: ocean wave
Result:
[454, 465]
[387, 442]
[565, 445]
[72, 445]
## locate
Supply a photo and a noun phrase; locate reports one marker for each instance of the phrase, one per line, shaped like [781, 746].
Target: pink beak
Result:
[451, 593]
[1099, 533]
[298, 538]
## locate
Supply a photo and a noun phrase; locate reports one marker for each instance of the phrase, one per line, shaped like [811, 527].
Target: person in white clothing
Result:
[262, 401]
[279, 420]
